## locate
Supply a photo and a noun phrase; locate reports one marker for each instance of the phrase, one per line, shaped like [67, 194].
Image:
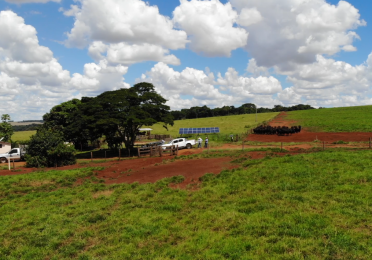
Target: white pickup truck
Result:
[16, 154]
[180, 142]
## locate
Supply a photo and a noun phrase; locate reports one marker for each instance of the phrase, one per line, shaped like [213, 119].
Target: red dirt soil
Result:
[152, 169]
[306, 136]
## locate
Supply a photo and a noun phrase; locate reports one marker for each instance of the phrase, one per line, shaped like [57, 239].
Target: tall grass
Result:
[342, 119]
[313, 206]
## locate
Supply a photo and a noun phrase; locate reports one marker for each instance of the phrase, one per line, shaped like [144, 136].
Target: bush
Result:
[47, 149]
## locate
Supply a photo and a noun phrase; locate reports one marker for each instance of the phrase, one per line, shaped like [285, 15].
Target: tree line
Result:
[248, 108]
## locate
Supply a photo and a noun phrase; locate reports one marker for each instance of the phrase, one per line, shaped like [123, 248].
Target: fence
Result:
[156, 137]
[319, 145]
[154, 150]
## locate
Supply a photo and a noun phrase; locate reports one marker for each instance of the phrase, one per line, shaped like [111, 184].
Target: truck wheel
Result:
[188, 146]
[3, 160]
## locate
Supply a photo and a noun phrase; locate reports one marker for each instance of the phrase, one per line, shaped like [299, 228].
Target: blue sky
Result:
[210, 53]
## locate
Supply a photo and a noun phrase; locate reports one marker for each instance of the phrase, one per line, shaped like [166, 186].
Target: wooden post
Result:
[119, 154]
[128, 152]
[208, 147]
[160, 151]
[139, 152]
[9, 163]
[243, 146]
[91, 156]
[13, 165]
[177, 150]
[105, 155]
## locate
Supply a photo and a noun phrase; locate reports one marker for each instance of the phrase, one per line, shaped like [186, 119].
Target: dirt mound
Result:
[306, 136]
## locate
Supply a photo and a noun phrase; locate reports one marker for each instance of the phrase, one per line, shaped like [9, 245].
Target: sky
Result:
[194, 52]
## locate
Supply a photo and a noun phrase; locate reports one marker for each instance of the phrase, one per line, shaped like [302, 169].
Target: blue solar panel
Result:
[202, 130]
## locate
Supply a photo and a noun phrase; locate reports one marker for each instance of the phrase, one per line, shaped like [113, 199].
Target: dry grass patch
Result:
[40, 183]
[106, 193]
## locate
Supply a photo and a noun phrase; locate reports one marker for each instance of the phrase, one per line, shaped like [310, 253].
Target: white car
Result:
[180, 142]
[16, 154]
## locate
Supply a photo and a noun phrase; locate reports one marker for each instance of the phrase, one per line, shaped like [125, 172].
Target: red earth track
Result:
[306, 136]
[152, 169]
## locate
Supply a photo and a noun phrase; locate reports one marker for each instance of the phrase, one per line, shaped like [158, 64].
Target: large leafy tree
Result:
[119, 114]
[6, 129]
[66, 119]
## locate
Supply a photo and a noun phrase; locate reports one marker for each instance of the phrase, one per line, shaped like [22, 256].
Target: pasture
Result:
[314, 206]
[341, 119]
[235, 124]
[22, 135]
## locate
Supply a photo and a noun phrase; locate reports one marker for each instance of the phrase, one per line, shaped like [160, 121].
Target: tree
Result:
[119, 114]
[64, 118]
[6, 129]
[47, 149]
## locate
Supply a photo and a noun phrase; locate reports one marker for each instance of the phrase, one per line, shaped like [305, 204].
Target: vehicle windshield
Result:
[170, 142]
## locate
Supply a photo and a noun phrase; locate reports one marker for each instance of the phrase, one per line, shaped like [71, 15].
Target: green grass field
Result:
[22, 135]
[310, 206]
[343, 119]
[228, 124]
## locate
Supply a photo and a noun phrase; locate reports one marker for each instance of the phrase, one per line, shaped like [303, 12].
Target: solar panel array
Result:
[205, 130]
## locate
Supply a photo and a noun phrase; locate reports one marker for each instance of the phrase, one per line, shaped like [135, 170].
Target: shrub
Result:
[47, 149]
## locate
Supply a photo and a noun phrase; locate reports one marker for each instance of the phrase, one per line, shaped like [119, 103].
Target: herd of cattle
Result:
[279, 130]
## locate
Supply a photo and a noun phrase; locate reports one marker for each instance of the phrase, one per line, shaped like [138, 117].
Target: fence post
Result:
[105, 155]
[91, 156]
[13, 165]
[119, 154]
[243, 146]
[139, 152]
[9, 163]
[177, 150]
[160, 151]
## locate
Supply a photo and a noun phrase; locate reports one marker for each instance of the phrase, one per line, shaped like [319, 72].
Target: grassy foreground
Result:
[313, 206]
[227, 124]
[342, 119]
[22, 135]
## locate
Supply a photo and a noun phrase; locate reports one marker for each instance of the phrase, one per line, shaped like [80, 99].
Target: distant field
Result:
[23, 135]
[343, 119]
[227, 124]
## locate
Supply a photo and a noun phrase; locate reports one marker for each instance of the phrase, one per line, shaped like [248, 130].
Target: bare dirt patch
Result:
[306, 136]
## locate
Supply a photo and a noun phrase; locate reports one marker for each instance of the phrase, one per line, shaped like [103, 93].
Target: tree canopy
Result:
[117, 115]
[6, 129]
[47, 149]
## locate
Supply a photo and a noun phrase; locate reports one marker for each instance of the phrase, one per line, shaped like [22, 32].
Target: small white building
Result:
[5, 147]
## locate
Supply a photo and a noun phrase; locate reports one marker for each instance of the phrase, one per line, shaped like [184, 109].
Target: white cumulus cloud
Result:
[192, 87]
[292, 32]
[210, 27]
[131, 21]
[32, 80]
[126, 54]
